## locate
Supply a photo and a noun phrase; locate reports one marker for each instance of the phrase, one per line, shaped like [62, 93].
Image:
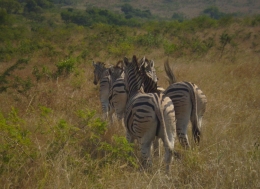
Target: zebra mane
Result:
[99, 71]
[170, 75]
[120, 64]
[116, 71]
[100, 64]
[149, 77]
[134, 79]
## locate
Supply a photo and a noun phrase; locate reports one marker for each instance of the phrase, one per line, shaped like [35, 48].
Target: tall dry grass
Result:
[62, 153]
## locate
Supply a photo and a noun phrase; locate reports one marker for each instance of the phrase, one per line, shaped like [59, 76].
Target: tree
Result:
[213, 12]
[11, 6]
[31, 6]
[4, 17]
[127, 9]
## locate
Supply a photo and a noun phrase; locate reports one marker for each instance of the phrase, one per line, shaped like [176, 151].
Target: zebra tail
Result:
[194, 116]
[169, 144]
[170, 75]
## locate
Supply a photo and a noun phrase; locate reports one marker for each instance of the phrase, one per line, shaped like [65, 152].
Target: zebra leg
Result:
[181, 130]
[110, 116]
[156, 148]
[146, 158]
[168, 154]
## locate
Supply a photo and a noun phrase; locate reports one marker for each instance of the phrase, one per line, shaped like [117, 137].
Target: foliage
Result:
[11, 6]
[37, 5]
[65, 67]
[4, 17]
[7, 80]
[169, 48]
[224, 39]
[119, 149]
[66, 2]
[131, 12]
[95, 15]
[203, 22]
[16, 147]
[151, 39]
[213, 12]
[178, 16]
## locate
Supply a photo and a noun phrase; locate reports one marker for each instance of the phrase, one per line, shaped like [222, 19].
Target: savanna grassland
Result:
[51, 131]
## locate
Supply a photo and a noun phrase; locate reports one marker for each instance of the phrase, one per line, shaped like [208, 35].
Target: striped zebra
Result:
[117, 94]
[102, 76]
[189, 103]
[147, 115]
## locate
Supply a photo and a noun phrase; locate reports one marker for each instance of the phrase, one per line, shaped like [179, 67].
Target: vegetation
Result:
[51, 132]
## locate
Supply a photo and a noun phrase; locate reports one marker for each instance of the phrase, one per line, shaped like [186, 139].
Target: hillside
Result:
[190, 8]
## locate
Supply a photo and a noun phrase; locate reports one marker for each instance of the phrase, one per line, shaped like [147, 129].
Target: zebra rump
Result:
[190, 105]
[188, 100]
[147, 115]
[117, 94]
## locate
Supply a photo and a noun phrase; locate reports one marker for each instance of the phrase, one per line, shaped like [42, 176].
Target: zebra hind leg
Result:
[183, 139]
[168, 155]
[146, 159]
[156, 147]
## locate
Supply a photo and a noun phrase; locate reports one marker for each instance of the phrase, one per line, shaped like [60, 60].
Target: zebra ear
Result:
[134, 59]
[93, 63]
[125, 61]
[111, 70]
[151, 63]
[120, 64]
[142, 63]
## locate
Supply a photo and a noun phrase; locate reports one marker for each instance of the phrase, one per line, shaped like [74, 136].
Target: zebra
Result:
[102, 76]
[188, 100]
[190, 105]
[117, 95]
[147, 115]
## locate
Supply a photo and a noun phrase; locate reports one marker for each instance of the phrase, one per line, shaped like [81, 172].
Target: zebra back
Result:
[150, 79]
[116, 71]
[117, 94]
[132, 78]
[189, 102]
[102, 76]
[147, 114]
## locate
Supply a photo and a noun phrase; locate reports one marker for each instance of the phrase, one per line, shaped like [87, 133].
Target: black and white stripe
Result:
[147, 115]
[117, 95]
[189, 103]
[102, 76]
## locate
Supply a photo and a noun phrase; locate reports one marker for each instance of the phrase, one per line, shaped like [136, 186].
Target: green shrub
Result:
[15, 148]
[121, 49]
[149, 40]
[119, 150]
[65, 67]
[169, 48]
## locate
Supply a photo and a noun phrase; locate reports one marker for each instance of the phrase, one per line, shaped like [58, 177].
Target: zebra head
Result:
[116, 71]
[133, 79]
[149, 76]
[99, 68]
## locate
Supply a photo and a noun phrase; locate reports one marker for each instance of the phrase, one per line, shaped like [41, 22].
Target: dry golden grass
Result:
[228, 156]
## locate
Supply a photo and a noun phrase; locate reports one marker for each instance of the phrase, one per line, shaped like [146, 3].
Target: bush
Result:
[65, 67]
[16, 149]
